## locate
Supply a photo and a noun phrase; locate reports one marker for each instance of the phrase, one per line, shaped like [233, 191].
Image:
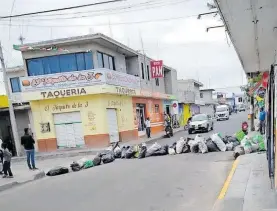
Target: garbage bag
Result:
[130, 153]
[247, 146]
[57, 171]
[136, 150]
[239, 150]
[211, 146]
[82, 161]
[75, 166]
[108, 158]
[180, 145]
[104, 152]
[123, 152]
[171, 151]
[260, 140]
[229, 146]
[254, 147]
[117, 152]
[240, 135]
[96, 161]
[202, 147]
[155, 147]
[186, 149]
[88, 164]
[199, 138]
[194, 147]
[161, 152]
[218, 141]
[173, 146]
[142, 152]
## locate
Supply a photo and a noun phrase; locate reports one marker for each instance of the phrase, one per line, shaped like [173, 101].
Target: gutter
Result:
[228, 31]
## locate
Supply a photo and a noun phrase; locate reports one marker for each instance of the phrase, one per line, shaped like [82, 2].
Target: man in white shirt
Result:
[148, 127]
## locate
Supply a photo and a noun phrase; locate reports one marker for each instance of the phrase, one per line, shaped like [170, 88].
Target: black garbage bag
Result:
[173, 146]
[130, 153]
[108, 158]
[57, 171]
[234, 140]
[96, 161]
[161, 152]
[104, 152]
[225, 139]
[123, 151]
[211, 146]
[194, 148]
[75, 166]
[186, 148]
[142, 152]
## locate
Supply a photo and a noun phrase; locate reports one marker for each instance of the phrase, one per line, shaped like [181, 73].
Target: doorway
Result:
[112, 124]
[167, 109]
[140, 112]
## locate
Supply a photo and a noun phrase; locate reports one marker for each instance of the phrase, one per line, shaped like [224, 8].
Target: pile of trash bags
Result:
[239, 143]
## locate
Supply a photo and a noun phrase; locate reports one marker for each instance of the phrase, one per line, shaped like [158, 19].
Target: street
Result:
[168, 183]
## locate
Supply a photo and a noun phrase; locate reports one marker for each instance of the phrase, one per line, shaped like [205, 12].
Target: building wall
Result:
[157, 119]
[16, 96]
[207, 96]
[94, 118]
[120, 63]
[132, 65]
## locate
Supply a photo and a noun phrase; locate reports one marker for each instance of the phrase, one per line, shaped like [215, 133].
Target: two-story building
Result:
[189, 99]
[206, 95]
[91, 91]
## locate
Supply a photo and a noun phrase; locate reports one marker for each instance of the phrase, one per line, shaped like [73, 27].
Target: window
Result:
[15, 84]
[157, 108]
[240, 99]
[148, 74]
[201, 95]
[142, 71]
[105, 61]
[60, 63]
[157, 81]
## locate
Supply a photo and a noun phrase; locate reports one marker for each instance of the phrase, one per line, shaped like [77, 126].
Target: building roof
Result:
[197, 83]
[97, 38]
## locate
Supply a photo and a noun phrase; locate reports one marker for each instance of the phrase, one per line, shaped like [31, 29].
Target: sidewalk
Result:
[250, 187]
[90, 151]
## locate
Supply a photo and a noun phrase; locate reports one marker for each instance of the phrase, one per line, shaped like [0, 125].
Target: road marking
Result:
[228, 180]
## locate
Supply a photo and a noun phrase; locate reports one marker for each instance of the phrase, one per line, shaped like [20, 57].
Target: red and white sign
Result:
[157, 69]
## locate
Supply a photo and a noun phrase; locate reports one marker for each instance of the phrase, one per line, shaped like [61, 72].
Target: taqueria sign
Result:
[63, 93]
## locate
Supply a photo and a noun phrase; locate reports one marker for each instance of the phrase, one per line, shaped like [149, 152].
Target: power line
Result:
[60, 9]
[106, 24]
[109, 11]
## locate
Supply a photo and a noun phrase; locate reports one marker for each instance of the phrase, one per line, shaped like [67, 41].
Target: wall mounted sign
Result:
[157, 69]
[122, 79]
[45, 127]
[63, 93]
[62, 80]
[125, 91]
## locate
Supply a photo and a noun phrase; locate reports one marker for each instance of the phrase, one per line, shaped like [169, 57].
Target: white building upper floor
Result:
[88, 52]
[189, 91]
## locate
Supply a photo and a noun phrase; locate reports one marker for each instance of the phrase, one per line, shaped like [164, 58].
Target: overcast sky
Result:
[180, 39]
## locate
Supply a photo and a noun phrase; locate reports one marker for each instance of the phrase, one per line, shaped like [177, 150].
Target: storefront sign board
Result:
[122, 79]
[157, 69]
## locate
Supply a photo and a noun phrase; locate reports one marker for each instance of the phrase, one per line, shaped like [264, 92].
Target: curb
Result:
[10, 185]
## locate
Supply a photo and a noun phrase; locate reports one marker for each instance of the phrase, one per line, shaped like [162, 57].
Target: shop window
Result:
[105, 61]
[60, 63]
[157, 81]
[148, 73]
[157, 108]
[15, 84]
[240, 99]
[142, 71]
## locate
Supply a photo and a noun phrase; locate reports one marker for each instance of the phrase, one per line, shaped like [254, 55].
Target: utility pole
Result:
[252, 110]
[11, 110]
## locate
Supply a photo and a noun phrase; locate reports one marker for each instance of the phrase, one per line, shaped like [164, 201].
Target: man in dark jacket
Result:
[28, 143]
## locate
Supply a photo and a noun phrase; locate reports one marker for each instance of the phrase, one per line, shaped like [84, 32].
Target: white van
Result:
[222, 112]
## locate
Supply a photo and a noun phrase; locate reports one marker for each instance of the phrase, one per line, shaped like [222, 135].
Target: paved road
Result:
[169, 183]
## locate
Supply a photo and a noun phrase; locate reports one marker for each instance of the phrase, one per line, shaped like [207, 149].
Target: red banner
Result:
[157, 69]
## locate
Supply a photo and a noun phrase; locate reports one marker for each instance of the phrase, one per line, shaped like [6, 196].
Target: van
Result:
[222, 112]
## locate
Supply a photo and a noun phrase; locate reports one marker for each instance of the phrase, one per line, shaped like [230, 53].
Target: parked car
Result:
[201, 123]
[241, 107]
[222, 112]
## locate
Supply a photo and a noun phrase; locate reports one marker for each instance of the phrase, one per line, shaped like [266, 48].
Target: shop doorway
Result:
[140, 111]
[112, 124]
[167, 109]
[69, 130]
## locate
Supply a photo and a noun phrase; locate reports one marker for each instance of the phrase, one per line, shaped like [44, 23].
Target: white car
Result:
[222, 112]
[201, 123]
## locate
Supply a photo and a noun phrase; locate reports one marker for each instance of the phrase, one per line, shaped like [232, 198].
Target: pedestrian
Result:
[148, 127]
[7, 162]
[262, 120]
[1, 157]
[28, 142]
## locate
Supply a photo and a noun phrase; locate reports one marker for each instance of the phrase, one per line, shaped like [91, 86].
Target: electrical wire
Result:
[60, 9]
[109, 11]
[106, 24]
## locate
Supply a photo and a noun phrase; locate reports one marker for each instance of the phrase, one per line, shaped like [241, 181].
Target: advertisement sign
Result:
[62, 80]
[122, 79]
[157, 69]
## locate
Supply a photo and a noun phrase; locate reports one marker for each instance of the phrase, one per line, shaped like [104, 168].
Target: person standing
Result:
[262, 120]
[28, 142]
[7, 162]
[148, 127]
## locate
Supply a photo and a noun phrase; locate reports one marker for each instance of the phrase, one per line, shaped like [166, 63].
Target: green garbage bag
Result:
[88, 164]
[240, 135]
[260, 140]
